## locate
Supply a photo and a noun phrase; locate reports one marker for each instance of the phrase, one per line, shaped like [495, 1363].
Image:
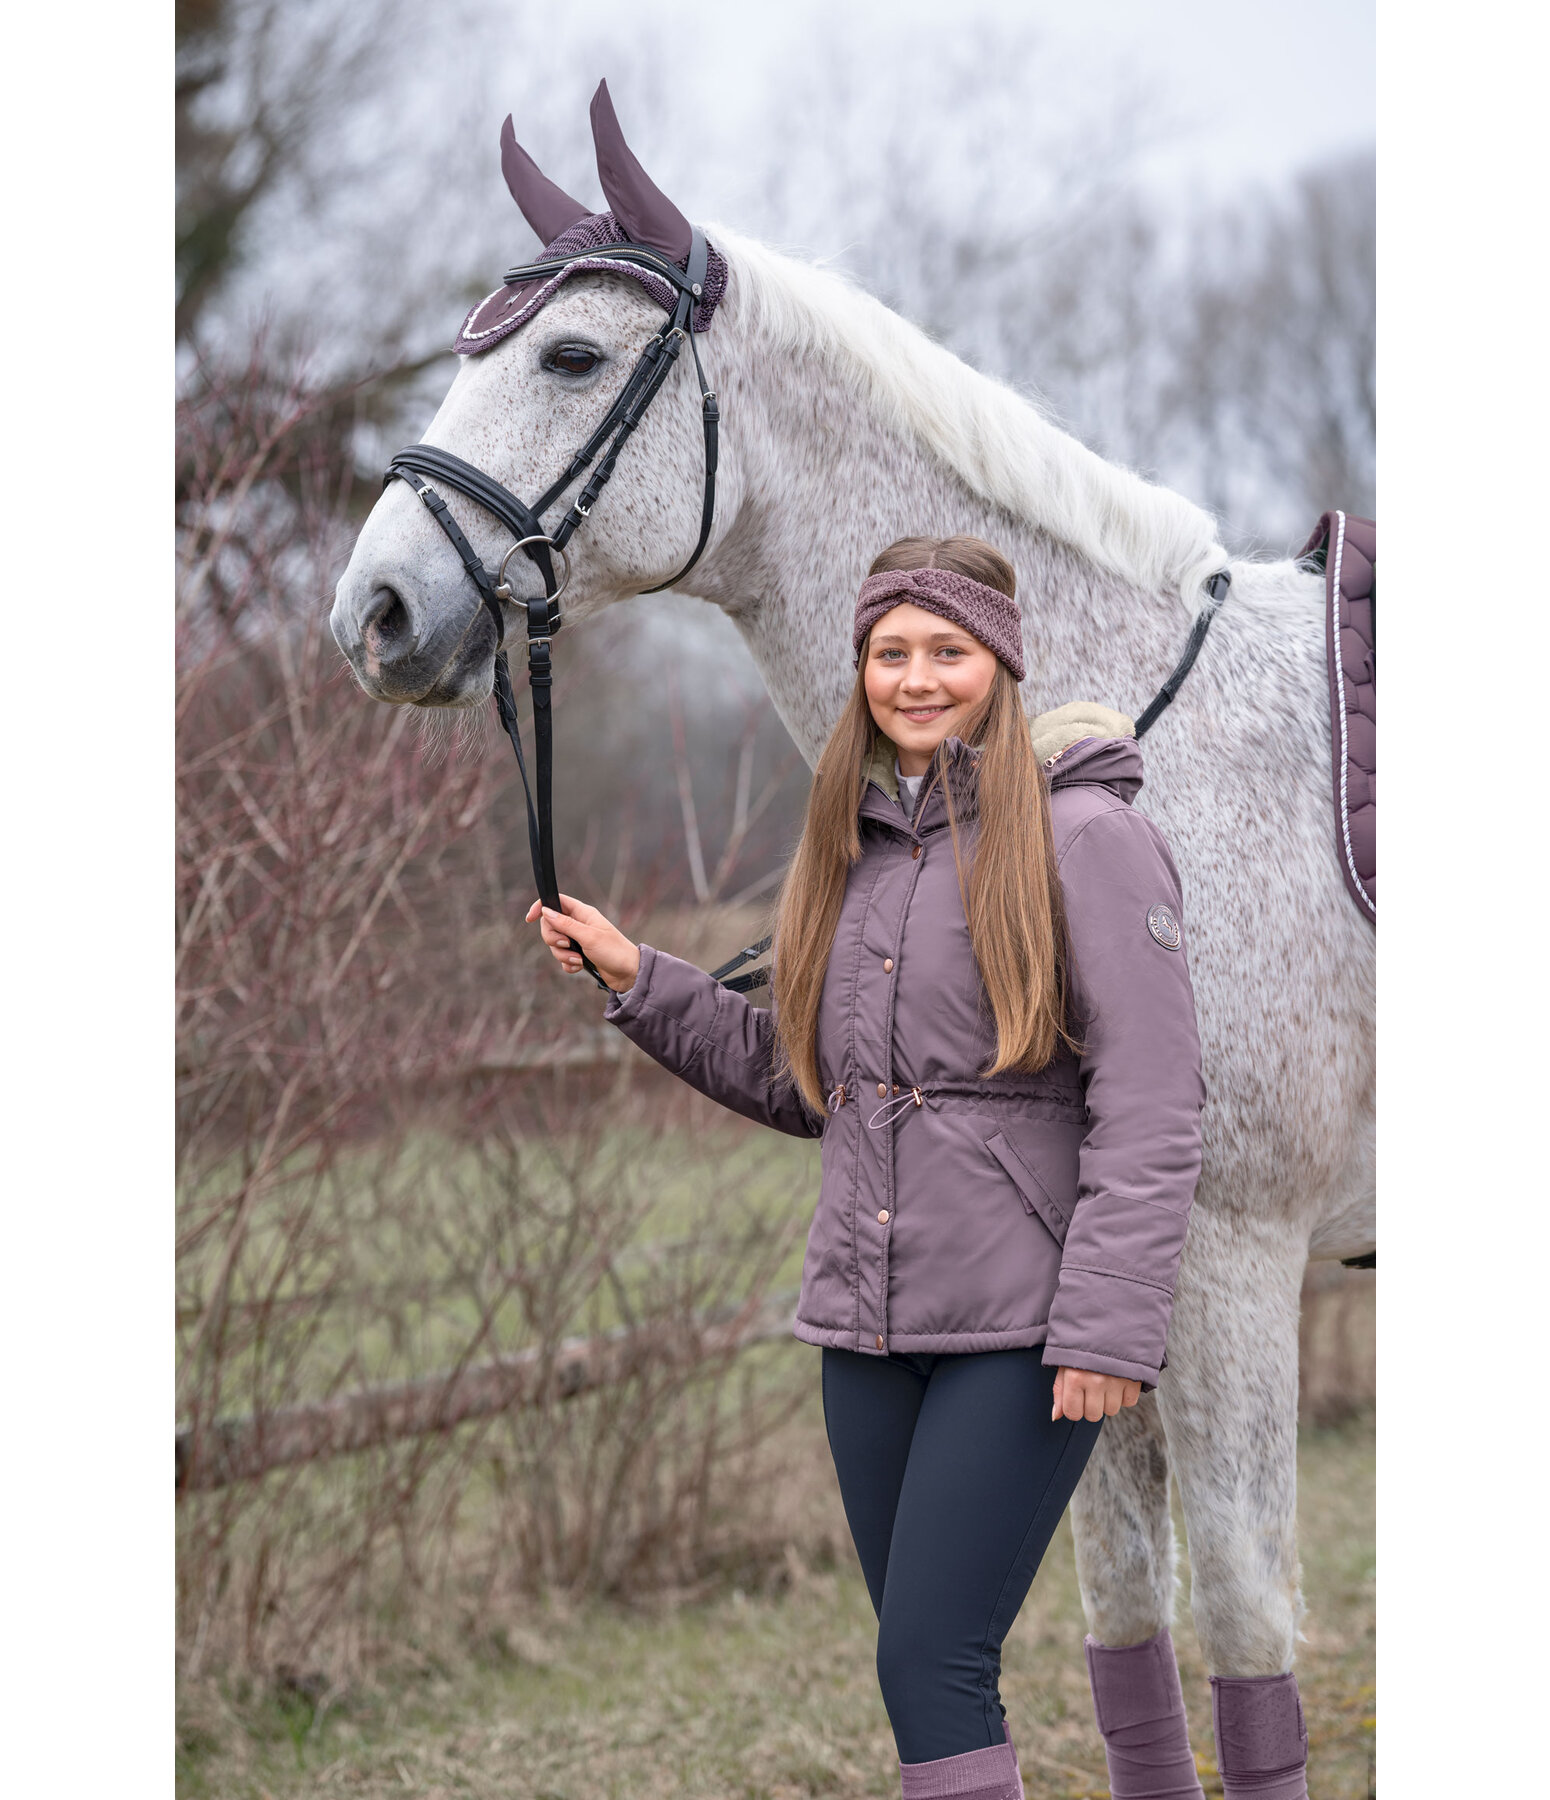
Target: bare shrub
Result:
[402, 1152]
[441, 1254]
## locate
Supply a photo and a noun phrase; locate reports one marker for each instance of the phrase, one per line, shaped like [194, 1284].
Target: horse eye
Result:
[572, 359]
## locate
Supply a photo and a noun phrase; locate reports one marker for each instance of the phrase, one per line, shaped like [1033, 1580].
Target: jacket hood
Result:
[1115, 762]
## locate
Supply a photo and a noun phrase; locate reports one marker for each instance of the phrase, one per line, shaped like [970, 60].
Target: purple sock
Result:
[989, 1774]
[1140, 1708]
[1261, 1740]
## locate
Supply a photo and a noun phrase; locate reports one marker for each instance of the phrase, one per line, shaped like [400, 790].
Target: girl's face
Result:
[924, 676]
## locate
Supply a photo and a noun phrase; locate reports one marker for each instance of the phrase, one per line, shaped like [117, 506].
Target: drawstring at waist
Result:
[890, 1109]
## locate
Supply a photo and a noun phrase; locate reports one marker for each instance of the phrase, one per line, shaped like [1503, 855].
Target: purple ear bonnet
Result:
[501, 313]
[640, 213]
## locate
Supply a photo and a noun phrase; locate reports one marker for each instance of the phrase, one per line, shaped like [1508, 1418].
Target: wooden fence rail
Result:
[1336, 1331]
[243, 1448]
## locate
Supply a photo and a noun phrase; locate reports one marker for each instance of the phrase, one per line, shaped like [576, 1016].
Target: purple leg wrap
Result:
[989, 1774]
[1015, 1770]
[1140, 1708]
[1261, 1741]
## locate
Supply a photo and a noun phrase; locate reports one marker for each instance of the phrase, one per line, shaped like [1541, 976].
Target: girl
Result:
[981, 1004]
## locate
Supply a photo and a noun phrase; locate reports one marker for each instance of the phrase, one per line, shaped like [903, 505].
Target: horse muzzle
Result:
[403, 654]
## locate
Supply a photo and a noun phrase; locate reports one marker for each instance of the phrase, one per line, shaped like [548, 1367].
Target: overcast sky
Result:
[1247, 91]
[761, 117]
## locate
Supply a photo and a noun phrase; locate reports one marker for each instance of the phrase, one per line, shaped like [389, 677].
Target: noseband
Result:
[421, 464]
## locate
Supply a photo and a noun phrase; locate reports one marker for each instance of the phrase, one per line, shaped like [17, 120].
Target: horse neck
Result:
[823, 480]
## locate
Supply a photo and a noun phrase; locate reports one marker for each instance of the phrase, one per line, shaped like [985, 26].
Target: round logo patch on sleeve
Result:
[1164, 927]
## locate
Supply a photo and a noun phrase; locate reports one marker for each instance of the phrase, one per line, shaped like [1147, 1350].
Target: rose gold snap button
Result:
[914, 853]
[882, 1090]
[882, 1218]
[887, 965]
[879, 1343]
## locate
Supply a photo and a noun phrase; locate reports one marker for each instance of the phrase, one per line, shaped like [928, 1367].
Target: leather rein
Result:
[421, 464]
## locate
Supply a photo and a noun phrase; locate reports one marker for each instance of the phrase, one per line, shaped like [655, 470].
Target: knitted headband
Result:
[984, 612]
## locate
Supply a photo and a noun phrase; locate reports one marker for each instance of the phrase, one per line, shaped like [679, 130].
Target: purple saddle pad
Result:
[1349, 548]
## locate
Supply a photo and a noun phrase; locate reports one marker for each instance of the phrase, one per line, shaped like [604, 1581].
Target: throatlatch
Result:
[1216, 589]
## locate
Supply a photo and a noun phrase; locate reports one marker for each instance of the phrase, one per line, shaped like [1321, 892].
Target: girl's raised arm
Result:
[704, 1033]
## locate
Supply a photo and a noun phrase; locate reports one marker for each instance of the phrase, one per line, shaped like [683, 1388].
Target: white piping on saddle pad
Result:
[1334, 628]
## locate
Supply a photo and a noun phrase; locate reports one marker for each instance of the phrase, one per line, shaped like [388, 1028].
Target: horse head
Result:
[542, 361]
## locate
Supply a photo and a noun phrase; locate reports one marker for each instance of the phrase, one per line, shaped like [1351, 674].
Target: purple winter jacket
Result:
[958, 1213]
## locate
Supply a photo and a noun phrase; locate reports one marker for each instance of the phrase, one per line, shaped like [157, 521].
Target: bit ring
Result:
[503, 587]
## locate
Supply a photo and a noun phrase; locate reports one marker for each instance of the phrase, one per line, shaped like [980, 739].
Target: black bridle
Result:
[420, 464]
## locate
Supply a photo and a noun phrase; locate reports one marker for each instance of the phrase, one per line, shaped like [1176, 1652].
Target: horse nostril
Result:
[386, 628]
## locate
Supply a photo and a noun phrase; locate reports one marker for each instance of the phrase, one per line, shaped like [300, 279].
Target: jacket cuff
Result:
[1100, 1362]
[622, 1008]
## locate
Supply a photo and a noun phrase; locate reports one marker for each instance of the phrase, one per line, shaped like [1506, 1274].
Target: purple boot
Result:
[1140, 1708]
[989, 1774]
[1261, 1741]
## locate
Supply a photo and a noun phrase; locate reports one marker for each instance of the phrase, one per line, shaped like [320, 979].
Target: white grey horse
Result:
[843, 428]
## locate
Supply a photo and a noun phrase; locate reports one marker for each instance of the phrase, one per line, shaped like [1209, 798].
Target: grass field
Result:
[760, 1692]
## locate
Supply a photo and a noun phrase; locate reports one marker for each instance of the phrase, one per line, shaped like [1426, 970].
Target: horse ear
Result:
[547, 208]
[640, 206]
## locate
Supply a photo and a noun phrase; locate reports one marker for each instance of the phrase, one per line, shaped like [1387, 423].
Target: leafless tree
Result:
[1275, 360]
[263, 91]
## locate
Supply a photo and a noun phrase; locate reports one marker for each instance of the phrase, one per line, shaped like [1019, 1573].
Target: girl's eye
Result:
[572, 359]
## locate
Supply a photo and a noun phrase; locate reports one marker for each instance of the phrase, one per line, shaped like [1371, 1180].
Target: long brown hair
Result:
[1011, 888]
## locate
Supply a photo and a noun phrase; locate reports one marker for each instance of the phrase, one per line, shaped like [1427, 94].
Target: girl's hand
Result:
[616, 959]
[1080, 1394]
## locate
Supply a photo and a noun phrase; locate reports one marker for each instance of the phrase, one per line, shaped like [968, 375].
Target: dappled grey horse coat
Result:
[959, 1213]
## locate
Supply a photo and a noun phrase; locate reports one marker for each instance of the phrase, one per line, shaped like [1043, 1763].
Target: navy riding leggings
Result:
[953, 1479]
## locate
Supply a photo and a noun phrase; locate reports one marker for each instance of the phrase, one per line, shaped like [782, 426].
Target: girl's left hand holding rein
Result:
[615, 958]
[1082, 1394]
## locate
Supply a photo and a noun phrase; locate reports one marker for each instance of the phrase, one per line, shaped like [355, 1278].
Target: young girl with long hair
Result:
[981, 1003]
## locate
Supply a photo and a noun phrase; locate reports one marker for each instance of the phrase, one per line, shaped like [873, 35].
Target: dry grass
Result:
[766, 1694]
[762, 1688]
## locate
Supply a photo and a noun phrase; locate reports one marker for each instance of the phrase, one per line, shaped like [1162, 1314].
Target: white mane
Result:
[993, 438]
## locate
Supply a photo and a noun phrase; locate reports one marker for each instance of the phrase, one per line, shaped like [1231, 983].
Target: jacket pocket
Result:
[1036, 1197]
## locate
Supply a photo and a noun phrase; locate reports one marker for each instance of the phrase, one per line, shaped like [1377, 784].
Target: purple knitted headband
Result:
[984, 612]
